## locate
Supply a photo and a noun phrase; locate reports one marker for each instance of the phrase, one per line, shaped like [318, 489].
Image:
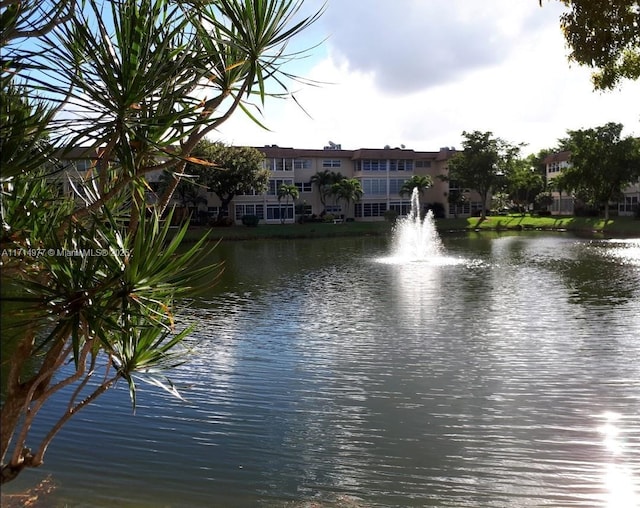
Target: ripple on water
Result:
[479, 381]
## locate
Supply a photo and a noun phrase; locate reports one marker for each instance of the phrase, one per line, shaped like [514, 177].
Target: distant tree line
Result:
[602, 164]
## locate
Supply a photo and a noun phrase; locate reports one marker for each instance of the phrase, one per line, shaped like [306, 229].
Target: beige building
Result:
[381, 173]
[564, 202]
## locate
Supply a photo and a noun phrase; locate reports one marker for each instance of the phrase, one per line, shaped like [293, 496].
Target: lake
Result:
[503, 373]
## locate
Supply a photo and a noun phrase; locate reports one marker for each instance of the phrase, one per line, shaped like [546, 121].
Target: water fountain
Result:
[416, 238]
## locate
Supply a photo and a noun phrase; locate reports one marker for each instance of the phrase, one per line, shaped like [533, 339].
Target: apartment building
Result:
[564, 202]
[381, 173]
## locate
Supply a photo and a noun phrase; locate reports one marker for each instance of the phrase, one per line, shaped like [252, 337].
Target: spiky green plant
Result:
[91, 280]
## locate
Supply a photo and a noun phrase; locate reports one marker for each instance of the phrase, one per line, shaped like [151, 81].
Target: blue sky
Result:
[419, 72]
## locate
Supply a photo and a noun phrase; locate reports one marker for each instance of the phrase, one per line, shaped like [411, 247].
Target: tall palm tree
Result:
[347, 190]
[287, 191]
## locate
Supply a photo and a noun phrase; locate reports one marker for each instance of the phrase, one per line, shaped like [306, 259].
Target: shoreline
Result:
[622, 227]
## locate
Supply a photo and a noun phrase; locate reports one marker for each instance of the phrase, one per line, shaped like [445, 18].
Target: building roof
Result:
[275, 151]
[280, 152]
[563, 156]
[392, 153]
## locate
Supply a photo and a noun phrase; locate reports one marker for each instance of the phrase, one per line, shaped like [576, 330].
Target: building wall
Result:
[630, 202]
[381, 173]
[563, 202]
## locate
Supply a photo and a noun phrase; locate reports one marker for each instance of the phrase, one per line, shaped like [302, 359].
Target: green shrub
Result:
[391, 216]
[250, 220]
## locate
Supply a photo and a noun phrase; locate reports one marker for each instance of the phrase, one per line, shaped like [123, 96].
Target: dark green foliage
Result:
[391, 216]
[483, 163]
[250, 220]
[602, 164]
[228, 171]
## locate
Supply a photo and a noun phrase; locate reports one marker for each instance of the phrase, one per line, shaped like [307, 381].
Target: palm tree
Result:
[324, 180]
[421, 182]
[287, 191]
[347, 190]
[558, 184]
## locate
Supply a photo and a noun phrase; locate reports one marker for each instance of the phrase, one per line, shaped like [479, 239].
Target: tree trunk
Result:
[224, 206]
[19, 394]
[15, 401]
[16, 393]
[483, 214]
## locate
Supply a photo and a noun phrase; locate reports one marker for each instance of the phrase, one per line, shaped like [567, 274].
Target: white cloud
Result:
[411, 45]
[419, 73]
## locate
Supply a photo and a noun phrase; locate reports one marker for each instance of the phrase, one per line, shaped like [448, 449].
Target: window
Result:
[371, 165]
[276, 183]
[370, 209]
[302, 164]
[401, 165]
[395, 184]
[556, 167]
[375, 186]
[628, 205]
[460, 209]
[214, 211]
[402, 207]
[278, 164]
[331, 163]
[280, 211]
[423, 164]
[284, 165]
[333, 209]
[304, 186]
[250, 209]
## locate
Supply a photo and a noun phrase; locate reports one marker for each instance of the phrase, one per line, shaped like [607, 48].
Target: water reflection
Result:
[624, 251]
[597, 273]
[328, 372]
[622, 489]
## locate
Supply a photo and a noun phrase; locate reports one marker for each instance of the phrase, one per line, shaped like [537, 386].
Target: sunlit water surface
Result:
[504, 373]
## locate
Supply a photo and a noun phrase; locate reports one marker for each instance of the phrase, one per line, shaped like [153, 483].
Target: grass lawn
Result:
[623, 226]
[307, 230]
[615, 225]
